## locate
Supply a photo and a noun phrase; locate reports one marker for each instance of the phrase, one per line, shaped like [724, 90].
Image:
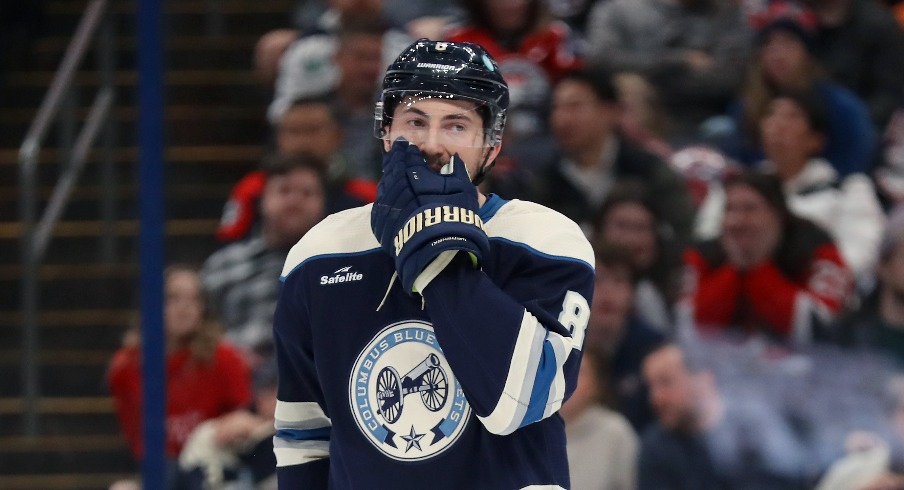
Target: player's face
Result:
[632, 226]
[671, 388]
[291, 204]
[442, 128]
[183, 305]
[309, 128]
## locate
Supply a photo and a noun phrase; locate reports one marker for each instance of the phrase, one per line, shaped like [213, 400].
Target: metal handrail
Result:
[34, 239]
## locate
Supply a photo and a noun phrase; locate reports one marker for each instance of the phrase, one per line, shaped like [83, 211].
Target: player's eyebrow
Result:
[465, 116]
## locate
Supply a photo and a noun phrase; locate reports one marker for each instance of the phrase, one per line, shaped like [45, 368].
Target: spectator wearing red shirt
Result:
[769, 272]
[205, 376]
[533, 49]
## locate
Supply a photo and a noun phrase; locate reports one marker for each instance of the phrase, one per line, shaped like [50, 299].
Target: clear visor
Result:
[434, 119]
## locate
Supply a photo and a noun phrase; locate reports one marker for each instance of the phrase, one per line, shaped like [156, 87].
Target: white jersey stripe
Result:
[295, 412]
[290, 456]
[519, 383]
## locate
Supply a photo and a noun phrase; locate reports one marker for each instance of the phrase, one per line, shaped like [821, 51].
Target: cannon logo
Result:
[404, 396]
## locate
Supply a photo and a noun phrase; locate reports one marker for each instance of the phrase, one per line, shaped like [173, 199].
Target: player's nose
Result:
[432, 148]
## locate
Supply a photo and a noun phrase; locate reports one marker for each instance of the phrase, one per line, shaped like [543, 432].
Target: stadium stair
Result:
[214, 130]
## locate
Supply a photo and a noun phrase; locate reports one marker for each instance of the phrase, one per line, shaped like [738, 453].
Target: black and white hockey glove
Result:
[423, 218]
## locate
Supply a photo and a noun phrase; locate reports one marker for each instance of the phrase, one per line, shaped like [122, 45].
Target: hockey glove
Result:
[395, 200]
[443, 221]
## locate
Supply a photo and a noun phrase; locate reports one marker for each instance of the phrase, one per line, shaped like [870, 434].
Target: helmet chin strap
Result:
[484, 167]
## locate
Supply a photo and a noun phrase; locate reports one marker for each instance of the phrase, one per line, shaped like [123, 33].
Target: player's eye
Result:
[416, 123]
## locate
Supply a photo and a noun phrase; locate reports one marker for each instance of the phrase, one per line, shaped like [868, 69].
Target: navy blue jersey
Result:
[455, 389]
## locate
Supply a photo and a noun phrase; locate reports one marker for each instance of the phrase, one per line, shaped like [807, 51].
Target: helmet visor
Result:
[426, 118]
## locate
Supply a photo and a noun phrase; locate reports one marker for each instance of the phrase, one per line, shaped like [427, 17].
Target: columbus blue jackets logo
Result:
[404, 396]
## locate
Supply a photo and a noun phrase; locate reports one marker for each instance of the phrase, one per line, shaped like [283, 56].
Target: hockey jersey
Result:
[458, 389]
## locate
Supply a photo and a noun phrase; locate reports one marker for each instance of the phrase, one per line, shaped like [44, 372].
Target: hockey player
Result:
[428, 339]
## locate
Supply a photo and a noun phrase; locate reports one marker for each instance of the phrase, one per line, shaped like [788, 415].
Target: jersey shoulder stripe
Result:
[541, 229]
[344, 233]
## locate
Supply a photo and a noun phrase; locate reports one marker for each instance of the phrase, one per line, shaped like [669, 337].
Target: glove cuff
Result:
[432, 270]
[430, 222]
[430, 232]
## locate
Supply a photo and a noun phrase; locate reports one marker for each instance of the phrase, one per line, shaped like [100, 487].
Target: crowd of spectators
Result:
[738, 166]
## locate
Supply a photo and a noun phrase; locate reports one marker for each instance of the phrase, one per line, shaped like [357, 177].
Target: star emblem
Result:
[413, 439]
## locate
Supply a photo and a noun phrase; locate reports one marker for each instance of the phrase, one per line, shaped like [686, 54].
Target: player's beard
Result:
[435, 162]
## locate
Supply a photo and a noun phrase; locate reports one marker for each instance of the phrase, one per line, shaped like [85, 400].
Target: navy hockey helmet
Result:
[451, 70]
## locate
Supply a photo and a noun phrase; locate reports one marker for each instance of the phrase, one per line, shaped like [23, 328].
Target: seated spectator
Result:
[602, 446]
[206, 377]
[310, 128]
[629, 218]
[703, 440]
[878, 323]
[344, 64]
[617, 335]
[595, 156]
[692, 51]
[898, 8]
[572, 12]
[236, 447]
[314, 127]
[643, 119]
[784, 60]
[703, 168]
[242, 278]
[857, 41]
[769, 272]
[533, 51]
[874, 460]
[793, 131]
[313, 17]
[890, 176]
